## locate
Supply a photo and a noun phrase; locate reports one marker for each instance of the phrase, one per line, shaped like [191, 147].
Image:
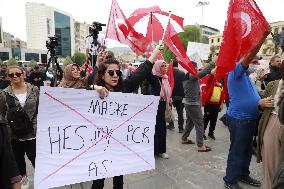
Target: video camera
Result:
[52, 44]
[94, 30]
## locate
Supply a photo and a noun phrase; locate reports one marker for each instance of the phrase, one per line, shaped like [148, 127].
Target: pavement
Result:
[185, 169]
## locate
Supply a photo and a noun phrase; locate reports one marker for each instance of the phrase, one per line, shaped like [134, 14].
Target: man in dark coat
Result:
[177, 96]
[37, 77]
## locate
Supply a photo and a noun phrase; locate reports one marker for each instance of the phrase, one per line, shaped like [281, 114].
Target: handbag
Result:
[168, 112]
[18, 120]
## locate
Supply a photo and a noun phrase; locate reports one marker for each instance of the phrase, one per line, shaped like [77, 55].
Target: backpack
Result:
[18, 120]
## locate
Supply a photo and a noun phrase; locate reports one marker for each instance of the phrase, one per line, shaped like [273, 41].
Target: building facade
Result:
[268, 47]
[9, 41]
[208, 31]
[43, 21]
[215, 42]
[1, 33]
[23, 54]
[81, 32]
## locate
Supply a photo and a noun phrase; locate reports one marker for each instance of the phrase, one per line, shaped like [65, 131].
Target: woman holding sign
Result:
[109, 78]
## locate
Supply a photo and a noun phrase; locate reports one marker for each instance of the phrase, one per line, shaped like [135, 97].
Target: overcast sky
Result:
[13, 11]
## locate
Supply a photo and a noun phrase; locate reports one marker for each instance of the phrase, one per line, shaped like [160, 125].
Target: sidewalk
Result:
[186, 168]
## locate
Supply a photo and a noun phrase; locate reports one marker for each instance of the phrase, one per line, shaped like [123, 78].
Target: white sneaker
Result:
[25, 183]
[164, 156]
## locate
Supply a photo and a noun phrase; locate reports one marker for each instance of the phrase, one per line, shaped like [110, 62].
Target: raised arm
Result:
[251, 55]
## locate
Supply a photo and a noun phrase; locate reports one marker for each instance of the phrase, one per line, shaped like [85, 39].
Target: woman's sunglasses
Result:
[111, 72]
[15, 74]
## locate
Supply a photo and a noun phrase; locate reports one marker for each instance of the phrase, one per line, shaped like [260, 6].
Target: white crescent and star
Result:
[247, 21]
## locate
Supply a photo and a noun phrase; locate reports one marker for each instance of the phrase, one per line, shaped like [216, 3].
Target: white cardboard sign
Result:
[81, 137]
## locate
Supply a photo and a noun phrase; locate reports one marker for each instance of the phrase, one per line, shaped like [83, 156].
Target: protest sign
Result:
[201, 49]
[81, 137]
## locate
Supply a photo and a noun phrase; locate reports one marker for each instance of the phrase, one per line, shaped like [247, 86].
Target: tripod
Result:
[93, 50]
[55, 66]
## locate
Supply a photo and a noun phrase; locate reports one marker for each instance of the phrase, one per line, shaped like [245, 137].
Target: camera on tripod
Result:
[94, 30]
[52, 43]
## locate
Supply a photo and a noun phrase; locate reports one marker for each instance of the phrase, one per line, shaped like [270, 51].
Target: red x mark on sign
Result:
[105, 136]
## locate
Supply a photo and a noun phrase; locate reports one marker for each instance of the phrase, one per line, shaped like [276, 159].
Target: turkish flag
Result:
[174, 43]
[206, 86]
[244, 28]
[119, 29]
[170, 74]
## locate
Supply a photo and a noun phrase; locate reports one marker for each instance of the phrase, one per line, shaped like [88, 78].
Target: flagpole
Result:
[151, 17]
[167, 26]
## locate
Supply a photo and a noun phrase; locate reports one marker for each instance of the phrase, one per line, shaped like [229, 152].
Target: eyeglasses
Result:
[15, 74]
[163, 65]
[111, 72]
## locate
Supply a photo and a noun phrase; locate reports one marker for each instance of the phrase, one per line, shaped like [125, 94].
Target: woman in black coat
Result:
[109, 78]
[9, 174]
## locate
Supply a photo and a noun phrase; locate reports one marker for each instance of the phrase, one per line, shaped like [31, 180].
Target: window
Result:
[212, 40]
[32, 56]
[16, 53]
[43, 58]
[62, 31]
[0, 33]
[218, 39]
[4, 56]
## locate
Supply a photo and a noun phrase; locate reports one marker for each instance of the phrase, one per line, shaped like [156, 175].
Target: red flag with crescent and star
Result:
[244, 28]
[170, 74]
[120, 29]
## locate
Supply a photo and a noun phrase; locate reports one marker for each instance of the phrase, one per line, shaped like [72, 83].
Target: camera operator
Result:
[94, 43]
[57, 72]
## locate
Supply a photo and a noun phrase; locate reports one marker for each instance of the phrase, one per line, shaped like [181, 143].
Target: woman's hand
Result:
[156, 51]
[266, 102]
[16, 185]
[103, 92]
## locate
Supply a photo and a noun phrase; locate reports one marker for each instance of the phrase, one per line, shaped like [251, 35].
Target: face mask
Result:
[252, 69]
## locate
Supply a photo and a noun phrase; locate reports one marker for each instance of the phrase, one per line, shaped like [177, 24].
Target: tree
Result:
[33, 63]
[67, 61]
[212, 52]
[12, 62]
[79, 58]
[110, 53]
[191, 33]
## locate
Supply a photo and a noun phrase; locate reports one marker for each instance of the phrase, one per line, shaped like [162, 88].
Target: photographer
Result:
[94, 43]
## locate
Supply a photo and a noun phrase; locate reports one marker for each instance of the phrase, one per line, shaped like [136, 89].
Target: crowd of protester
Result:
[253, 95]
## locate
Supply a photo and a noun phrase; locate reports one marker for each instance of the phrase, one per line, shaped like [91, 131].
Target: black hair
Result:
[175, 63]
[273, 58]
[101, 71]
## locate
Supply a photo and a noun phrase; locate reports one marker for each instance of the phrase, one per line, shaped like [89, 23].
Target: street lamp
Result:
[202, 4]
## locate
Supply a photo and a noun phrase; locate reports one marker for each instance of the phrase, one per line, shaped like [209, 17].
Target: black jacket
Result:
[274, 74]
[8, 167]
[130, 84]
[179, 77]
[38, 75]
[144, 71]
[4, 84]
[154, 85]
